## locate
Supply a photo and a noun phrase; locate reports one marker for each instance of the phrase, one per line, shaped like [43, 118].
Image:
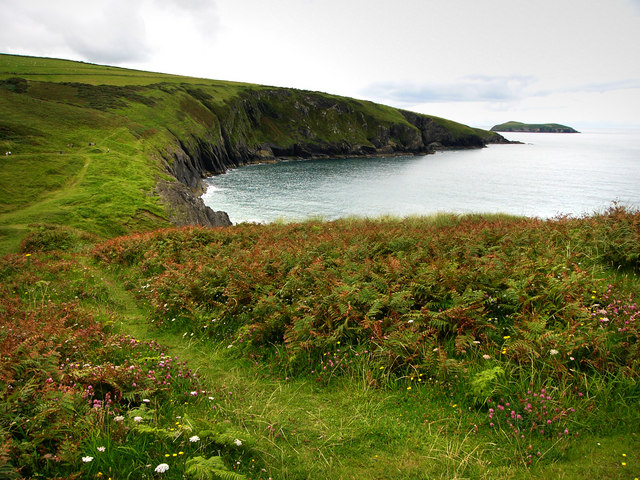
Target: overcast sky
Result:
[479, 62]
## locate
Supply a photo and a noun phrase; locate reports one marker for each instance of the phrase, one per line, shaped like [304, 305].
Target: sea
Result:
[547, 175]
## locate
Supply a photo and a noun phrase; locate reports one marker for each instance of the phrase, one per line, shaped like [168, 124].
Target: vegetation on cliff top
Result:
[532, 127]
[94, 147]
[446, 347]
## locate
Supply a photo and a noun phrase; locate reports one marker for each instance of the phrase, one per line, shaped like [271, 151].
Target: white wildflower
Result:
[101, 449]
[118, 418]
[87, 459]
[137, 419]
[194, 439]
[553, 351]
[237, 442]
[486, 357]
[163, 467]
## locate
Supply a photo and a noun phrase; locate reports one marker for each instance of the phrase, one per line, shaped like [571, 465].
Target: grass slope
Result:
[90, 142]
[481, 347]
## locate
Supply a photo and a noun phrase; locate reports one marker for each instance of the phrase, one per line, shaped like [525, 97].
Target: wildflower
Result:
[553, 351]
[163, 467]
[137, 419]
[87, 459]
[507, 337]
[486, 357]
[118, 418]
[194, 439]
[238, 442]
[101, 449]
[146, 400]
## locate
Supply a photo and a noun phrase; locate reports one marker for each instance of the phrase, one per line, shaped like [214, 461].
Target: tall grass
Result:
[446, 347]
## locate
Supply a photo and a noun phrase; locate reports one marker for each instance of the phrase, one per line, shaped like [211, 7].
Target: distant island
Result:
[533, 127]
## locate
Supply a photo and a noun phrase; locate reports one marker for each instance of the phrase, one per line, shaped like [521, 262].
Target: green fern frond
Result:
[212, 468]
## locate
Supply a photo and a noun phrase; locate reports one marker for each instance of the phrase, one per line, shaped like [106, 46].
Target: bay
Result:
[548, 175]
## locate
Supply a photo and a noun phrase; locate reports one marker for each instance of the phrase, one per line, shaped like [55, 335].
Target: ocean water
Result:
[548, 175]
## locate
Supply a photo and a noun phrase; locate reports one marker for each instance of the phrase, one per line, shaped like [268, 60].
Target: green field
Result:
[444, 347]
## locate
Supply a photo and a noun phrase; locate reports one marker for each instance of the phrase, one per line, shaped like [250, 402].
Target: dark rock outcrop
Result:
[184, 208]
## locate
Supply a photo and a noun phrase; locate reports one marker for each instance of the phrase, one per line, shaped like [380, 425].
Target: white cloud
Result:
[113, 33]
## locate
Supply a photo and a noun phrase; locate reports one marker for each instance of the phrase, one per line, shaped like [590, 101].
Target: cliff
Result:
[265, 124]
[111, 150]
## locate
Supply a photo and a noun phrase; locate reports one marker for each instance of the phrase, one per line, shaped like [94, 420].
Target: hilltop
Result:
[109, 151]
[532, 127]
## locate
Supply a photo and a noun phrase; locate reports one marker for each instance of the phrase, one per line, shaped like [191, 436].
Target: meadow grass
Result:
[112, 336]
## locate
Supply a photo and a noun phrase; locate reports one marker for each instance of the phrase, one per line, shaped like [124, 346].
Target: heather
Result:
[479, 346]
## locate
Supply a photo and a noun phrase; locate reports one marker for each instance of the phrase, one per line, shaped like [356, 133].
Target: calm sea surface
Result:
[550, 174]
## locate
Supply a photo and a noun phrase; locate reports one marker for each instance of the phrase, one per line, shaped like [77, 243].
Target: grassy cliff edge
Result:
[109, 150]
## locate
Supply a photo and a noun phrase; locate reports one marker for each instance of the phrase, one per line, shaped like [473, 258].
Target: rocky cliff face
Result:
[268, 124]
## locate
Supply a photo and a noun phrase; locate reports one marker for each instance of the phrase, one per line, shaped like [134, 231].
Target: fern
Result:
[485, 383]
[212, 468]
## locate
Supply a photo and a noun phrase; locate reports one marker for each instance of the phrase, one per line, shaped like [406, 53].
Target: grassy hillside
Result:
[94, 147]
[479, 347]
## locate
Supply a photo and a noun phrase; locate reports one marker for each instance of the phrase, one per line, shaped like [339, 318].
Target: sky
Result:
[478, 62]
